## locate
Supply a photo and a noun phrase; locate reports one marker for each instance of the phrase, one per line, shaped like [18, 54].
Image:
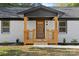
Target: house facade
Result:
[39, 25]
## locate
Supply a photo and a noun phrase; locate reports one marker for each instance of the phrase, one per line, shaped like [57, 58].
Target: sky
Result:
[48, 4]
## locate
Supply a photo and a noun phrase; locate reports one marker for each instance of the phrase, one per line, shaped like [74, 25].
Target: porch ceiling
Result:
[41, 11]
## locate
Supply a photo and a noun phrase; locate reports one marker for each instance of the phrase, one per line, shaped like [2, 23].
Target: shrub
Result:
[64, 40]
[17, 40]
[5, 42]
[74, 41]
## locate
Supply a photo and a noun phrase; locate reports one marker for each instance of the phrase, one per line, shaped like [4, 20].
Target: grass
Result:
[33, 51]
[10, 51]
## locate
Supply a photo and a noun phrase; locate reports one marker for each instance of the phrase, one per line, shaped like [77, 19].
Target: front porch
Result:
[41, 35]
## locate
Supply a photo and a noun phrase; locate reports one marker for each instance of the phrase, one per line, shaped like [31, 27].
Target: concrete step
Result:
[40, 42]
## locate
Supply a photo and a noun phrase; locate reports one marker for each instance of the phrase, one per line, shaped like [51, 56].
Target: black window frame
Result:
[63, 26]
[5, 28]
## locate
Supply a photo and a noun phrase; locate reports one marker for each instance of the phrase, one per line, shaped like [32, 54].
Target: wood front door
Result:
[40, 28]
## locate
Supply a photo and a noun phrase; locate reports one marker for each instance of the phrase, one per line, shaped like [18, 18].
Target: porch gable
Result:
[41, 11]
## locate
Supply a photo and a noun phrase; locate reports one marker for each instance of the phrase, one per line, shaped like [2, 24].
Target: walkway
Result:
[57, 46]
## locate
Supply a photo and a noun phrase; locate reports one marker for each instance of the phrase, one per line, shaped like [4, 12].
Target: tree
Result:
[70, 4]
[15, 4]
[73, 4]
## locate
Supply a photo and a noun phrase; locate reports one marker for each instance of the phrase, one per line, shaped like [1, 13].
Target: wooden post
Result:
[56, 30]
[33, 35]
[25, 29]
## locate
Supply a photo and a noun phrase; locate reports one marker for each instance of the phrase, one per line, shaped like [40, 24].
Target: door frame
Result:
[40, 19]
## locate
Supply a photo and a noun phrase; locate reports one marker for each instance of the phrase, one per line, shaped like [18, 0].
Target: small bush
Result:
[5, 42]
[74, 41]
[64, 40]
[17, 40]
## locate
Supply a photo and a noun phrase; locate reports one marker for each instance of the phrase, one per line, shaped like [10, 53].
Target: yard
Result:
[33, 51]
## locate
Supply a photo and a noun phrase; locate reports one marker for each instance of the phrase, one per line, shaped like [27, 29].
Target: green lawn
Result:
[31, 51]
[10, 51]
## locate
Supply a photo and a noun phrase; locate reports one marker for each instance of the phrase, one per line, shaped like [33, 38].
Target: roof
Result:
[70, 12]
[11, 12]
[40, 7]
[41, 11]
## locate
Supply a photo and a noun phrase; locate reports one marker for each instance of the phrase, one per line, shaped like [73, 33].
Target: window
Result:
[5, 26]
[62, 26]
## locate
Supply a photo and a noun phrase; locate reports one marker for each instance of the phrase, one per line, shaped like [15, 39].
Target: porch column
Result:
[25, 29]
[56, 30]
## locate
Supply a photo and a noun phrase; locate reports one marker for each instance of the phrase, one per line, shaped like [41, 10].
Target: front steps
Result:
[40, 42]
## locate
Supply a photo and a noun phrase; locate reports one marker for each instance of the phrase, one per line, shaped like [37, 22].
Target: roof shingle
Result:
[70, 12]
